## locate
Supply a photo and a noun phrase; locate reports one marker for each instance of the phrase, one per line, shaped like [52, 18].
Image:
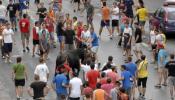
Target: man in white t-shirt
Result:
[85, 36]
[42, 70]
[2, 12]
[75, 88]
[115, 17]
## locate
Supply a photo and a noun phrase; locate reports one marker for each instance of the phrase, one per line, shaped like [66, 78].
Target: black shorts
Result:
[142, 81]
[35, 42]
[154, 46]
[105, 23]
[78, 1]
[8, 47]
[13, 19]
[115, 23]
[20, 82]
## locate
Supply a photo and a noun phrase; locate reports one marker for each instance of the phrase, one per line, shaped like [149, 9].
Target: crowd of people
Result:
[97, 82]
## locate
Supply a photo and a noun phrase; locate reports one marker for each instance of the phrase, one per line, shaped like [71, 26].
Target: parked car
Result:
[164, 18]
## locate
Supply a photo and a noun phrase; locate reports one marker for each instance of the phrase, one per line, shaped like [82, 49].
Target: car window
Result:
[171, 15]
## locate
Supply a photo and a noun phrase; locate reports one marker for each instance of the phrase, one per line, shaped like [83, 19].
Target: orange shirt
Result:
[99, 94]
[105, 13]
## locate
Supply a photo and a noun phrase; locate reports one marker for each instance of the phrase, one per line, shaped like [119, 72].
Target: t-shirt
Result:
[85, 68]
[2, 11]
[126, 82]
[24, 25]
[19, 70]
[38, 89]
[49, 25]
[113, 75]
[164, 55]
[87, 91]
[23, 4]
[35, 33]
[105, 13]
[95, 39]
[59, 80]
[107, 87]
[42, 12]
[142, 69]
[115, 13]
[42, 70]
[103, 80]
[99, 94]
[113, 94]
[142, 13]
[152, 37]
[12, 10]
[138, 33]
[171, 68]
[7, 35]
[76, 84]
[92, 77]
[127, 33]
[59, 29]
[131, 67]
[69, 36]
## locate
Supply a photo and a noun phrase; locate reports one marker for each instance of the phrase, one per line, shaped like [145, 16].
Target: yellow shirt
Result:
[142, 13]
[142, 69]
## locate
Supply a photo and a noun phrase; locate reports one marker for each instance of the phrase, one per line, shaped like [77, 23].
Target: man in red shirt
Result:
[92, 76]
[24, 25]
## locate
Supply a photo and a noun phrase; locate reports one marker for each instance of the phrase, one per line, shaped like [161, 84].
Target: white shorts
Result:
[137, 47]
[94, 49]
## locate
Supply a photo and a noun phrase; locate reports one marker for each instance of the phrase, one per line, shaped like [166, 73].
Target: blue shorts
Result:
[60, 39]
[13, 20]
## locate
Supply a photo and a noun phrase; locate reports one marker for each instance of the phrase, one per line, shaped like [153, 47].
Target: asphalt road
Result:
[107, 47]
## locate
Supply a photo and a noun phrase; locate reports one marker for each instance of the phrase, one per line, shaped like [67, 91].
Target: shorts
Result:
[142, 23]
[153, 46]
[94, 49]
[115, 23]
[171, 81]
[137, 47]
[35, 42]
[105, 23]
[126, 46]
[70, 98]
[60, 39]
[19, 82]
[142, 81]
[130, 14]
[13, 19]
[78, 1]
[8, 47]
[25, 36]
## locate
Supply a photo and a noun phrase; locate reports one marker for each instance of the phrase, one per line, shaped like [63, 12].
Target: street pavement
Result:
[107, 47]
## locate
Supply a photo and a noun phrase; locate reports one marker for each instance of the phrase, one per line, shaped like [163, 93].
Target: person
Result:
[110, 62]
[42, 12]
[107, 87]
[162, 60]
[2, 12]
[94, 42]
[132, 68]
[90, 14]
[92, 76]
[42, 71]
[75, 23]
[7, 34]
[125, 78]
[113, 75]
[75, 87]
[76, 2]
[38, 89]
[138, 41]
[19, 75]
[60, 84]
[170, 66]
[142, 76]
[99, 94]
[78, 34]
[86, 67]
[2, 27]
[69, 35]
[37, 2]
[49, 20]
[129, 11]
[44, 41]
[105, 20]
[115, 18]
[35, 30]
[24, 25]
[87, 91]
[12, 10]
[115, 91]
[127, 35]
[68, 20]
[142, 14]
[60, 35]
[85, 36]
[122, 95]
